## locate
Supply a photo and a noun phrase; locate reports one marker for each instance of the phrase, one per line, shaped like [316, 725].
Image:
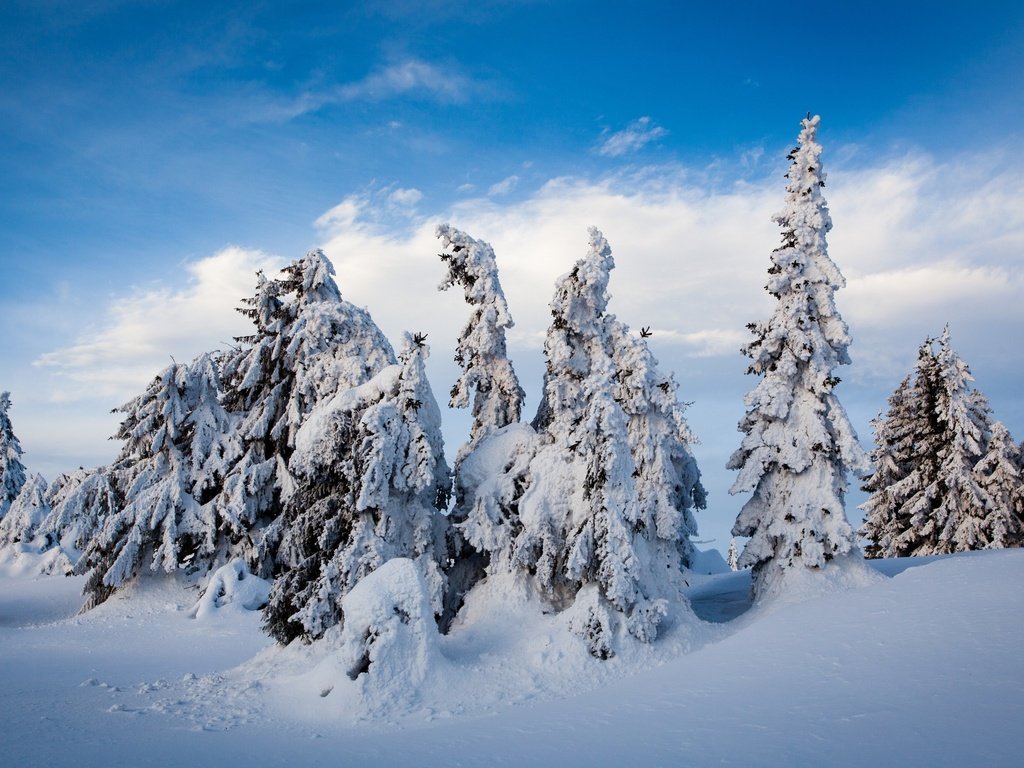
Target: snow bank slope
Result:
[919, 669]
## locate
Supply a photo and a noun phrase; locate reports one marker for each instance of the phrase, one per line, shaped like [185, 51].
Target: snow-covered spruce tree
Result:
[901, 470]
[733, 557]
[489, 381]
[25, 514]
[370, 482]
[799, 444]
[171, 462]
[1001, 479]
[80, 503]
[308, 345]
[12, 471]
[487, 374]
[585, 519]
[962, 503]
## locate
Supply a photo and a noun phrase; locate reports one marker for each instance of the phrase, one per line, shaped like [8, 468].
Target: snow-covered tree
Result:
[597, 497]
[489, 381]
[905, 461]
[371, 481]
[12, 471]
[308, 345]
[734, 556]
[487, 374]
[964, 420]
[1000, 476]
[799, 444]
[943, 480]
[26, 513]
[80, 503]
[170, 464]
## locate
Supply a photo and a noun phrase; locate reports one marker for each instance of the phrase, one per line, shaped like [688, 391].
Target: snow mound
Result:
[233, 588]
[800, 584]
[390, 641]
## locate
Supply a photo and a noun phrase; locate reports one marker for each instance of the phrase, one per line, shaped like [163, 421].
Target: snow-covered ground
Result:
[919, 667]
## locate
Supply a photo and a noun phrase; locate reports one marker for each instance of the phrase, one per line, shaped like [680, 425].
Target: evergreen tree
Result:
[905, 461]
[734, 555]
[489, 380]
[169, 465]
[371, 481]
[944, 480]
[597, 504]
[26, 513]
[487, 373]
[798, 444]
[309, 344]
[963, 414]
[1001, 479]
[12, 471]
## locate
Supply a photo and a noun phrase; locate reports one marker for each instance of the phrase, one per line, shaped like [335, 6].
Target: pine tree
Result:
[905, 461]
[799, 444]
[170, 464]
[26, 513]
[1001, 480]
[371, 481]
[487, 373]
[964, 420]
[489, 380]
[597, 503]
[309, 344]
[943, 481]
[734, 555]
[12, 471]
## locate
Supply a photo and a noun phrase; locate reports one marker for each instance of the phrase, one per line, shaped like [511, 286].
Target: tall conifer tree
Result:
[799, 445]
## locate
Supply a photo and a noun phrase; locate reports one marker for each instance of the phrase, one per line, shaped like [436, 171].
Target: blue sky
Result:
[152, 155]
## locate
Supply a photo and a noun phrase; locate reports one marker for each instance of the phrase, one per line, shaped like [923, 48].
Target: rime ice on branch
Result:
[799, 444]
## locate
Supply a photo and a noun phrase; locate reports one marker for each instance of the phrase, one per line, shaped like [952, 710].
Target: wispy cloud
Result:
[409, 78]
[503, 187]
[142, 330]
[631, 138]
[405, 198]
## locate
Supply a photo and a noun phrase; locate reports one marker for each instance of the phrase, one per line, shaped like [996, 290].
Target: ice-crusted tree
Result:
[588, 497]
[488, 382]
[308, 344]
[174, 435]
[733, 558]
[12, 471]
[961, 502]
[902, 467]
[371, 483]
[927, 495]
[26, 513]
[488, 378]
[80, 503]
[1000, 476]
[799, 445]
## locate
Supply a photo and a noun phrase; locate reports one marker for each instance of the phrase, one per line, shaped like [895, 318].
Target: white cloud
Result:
[409, 76]
[405, 198]
[140, 332]
[631, 138]
[503, 187]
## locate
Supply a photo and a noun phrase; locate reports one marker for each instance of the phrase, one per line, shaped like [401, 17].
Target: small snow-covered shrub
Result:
[390, 641]
[232, 585]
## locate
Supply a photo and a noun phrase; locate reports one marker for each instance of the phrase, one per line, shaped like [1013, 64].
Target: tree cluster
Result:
[947, 478]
